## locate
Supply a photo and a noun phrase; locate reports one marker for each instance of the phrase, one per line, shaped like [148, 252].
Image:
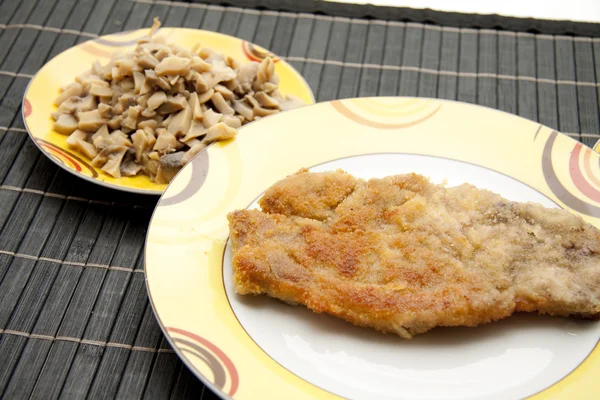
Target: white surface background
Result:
[573, 10]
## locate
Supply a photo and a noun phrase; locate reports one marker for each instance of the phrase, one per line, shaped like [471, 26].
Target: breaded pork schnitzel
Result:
[403, 255]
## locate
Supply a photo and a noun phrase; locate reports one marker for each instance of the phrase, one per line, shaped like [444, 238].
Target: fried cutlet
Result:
[403, 255]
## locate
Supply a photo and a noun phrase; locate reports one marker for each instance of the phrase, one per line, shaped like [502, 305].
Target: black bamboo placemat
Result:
[74, 315]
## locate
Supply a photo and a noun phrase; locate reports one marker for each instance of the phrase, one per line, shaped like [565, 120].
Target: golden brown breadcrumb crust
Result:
[403, 255]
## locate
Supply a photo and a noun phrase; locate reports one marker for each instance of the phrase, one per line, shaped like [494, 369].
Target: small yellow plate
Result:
[38, 101]
[246, 347]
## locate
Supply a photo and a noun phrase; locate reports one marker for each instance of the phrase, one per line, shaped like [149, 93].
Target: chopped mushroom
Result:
[149, 123]
[139, 80]
[206, 96]
[243, 109]
[152, 109]
[172, 79]
[180, 123]
[263, 112]
[193, 142]
[96, 67]
[251, 101]
[149, 114]
[178, 87]
[133, 113]
[220, 131]
[147, 61]
[163, 83]
[266, 70]
[140, 144]
[151, 77]
[110, 160]
[225, 92]
[115, 122]
[168, 167]
[86, 103]
[125, 66]
[197, 148]
[146, 87]
[65, 124]
[115, 73]
[173, 65]
[88, 78]
[194, 103]
[210, 118]
[233, 122]
[200, 84]
[221, 105]
[247, 73]
[143, 99]
[269, 87]
[77, 140]
[166, 121]
[196, 129]
[152, 168]
[74, 89]
[231, 62]
[104, 110]
[74, 105]
[126, 100]
[91, 121]
[199, 65]
[101, 91]
[76, 135]
[265, 100]
[163, 53]
[102, 139]
[166, 142]
[290, 102]
[119, 138]
[130, 168]
[213, 77]
[172, 104]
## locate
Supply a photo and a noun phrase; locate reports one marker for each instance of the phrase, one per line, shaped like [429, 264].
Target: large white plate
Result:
[244, 346]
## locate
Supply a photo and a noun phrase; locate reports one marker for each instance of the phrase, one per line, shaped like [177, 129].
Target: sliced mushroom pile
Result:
[151, 110]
